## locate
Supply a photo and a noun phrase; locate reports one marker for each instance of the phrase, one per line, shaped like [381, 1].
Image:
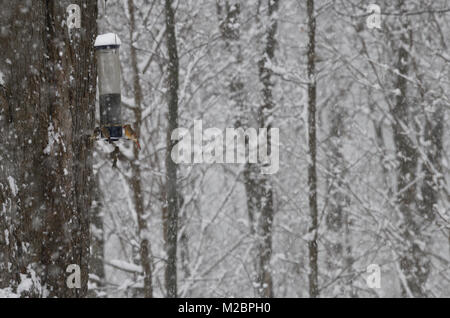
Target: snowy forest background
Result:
[363, 117]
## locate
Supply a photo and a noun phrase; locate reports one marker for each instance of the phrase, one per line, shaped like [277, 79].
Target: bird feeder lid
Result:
[106, 41]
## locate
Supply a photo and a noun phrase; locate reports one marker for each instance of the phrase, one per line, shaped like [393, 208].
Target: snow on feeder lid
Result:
[107, 39]
[108, 69]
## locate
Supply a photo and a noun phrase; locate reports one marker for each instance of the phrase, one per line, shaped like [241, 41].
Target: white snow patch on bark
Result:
[7, 293]
[25, 285]
[13, 186]
[52, 138]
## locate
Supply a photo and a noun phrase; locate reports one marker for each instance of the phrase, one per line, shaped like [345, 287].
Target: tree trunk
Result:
[47, 117]
[312, 174]
[171, 167]
[135, 181]
[432, 167]
[264, 184]
[337, 218]
[414, 262]
[229, 19]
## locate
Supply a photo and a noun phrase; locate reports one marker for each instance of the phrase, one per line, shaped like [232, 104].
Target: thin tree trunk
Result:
[138, 197]
[171, 167]
[144, 250]
[433, 181]
[413, 263]
[184, 239]
[264, 184]
[312, 173]
[337, 218]
[229, 25]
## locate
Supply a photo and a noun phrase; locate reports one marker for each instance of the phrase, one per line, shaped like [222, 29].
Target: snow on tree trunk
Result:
[312, 174]
[49, 115]
[171, 167]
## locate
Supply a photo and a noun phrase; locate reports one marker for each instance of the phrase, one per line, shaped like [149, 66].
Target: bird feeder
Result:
[108, 70]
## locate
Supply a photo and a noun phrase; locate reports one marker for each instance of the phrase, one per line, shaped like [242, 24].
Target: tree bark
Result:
[337, 218]
[312, 142]
[171, 167]
[49, 114]
[264, 184]
[135, 181]
[413, 261]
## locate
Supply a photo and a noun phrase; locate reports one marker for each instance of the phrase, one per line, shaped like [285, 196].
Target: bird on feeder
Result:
[130, 134]
[106, 134]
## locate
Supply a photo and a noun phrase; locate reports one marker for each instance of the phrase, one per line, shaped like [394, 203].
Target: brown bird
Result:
[95, 134]
[130, 134]
[105, 132]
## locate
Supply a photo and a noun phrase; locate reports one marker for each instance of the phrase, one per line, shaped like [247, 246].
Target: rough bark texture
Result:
[171, 167]
[312, 174]
[413, 261]
[47, 114]
[337, 218]
[263, 183]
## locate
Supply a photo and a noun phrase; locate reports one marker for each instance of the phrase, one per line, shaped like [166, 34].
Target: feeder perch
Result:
[108, 69]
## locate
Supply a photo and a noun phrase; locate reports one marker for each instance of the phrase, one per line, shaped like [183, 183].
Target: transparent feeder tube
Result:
[108, 69]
